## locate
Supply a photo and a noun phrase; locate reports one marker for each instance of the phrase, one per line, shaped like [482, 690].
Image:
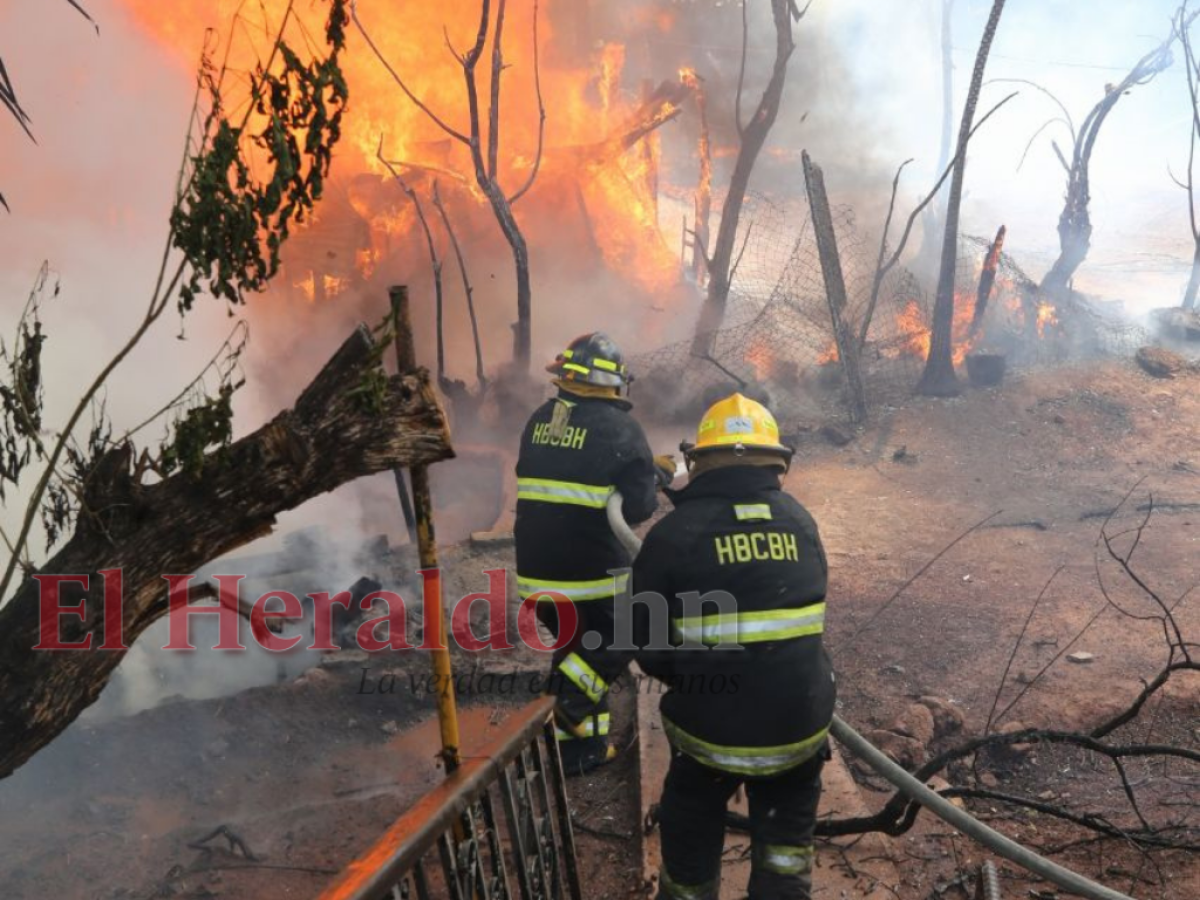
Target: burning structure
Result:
[570, 143]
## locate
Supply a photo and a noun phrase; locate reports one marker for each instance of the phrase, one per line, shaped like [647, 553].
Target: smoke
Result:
[1141, 244]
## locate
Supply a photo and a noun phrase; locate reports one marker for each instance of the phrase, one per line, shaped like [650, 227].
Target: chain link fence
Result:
[777, 343]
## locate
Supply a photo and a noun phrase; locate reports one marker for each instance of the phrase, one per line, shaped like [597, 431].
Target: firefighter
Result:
[750, 689]
[577, 448]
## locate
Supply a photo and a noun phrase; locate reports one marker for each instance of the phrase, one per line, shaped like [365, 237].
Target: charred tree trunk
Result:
[1189, 296]
[704, 185]
[1192, 68]
[350, 422]
[1075, 222]
[835, 288]
[987, 279]
[753, 137]
[938, 379]
[1074, 241]
[523, 327]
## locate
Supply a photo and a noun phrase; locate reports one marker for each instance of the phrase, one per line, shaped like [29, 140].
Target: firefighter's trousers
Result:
[783, 814]
[581, 678]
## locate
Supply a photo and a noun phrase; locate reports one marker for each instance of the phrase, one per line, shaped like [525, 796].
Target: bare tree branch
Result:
[882, 268]
[1066, 113]
[987, 727]
[434, 259]
[537, 81]
[753, 137]
[1029, 146]
[880, 272]
[741, 82]
[83, 12]
[1061, 157]
[1074, 223]
[921, 571]
[467, 289]
[434, 117]
[494, 106]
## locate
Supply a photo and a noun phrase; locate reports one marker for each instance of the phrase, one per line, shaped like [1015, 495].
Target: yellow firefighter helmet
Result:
[740, 425]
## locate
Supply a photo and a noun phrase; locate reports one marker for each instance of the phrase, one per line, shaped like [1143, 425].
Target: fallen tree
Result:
[254, 167]
[351, 421]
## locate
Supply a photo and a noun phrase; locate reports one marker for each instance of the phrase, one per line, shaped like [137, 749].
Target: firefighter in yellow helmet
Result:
[750, 688]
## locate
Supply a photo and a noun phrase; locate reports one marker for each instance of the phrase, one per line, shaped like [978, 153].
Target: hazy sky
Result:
[1070, 47]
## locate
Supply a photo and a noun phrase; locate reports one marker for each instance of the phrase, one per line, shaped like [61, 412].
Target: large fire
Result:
[582, 95]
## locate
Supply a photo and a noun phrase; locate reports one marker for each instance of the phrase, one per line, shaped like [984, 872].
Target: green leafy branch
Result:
[232, 225]
[227, 227]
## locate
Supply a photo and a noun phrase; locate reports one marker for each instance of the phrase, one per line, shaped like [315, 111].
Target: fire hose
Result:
[914, 789]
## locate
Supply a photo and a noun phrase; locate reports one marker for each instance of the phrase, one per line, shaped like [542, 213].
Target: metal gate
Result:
[498, 827]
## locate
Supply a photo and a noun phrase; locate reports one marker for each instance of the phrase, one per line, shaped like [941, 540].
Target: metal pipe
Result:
[912, 788]
[400, 850]
[435, 629]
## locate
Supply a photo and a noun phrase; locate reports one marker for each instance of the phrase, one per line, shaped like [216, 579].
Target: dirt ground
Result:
[1049, 454]
[310, 772]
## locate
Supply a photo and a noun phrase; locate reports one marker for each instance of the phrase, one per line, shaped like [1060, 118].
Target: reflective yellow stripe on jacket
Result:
[760, 761]
[676, 891]
[752, 512]
[546, 490]
[753, 627]
[584, 677]
[787, 860]
[588, 729]
[597, 589]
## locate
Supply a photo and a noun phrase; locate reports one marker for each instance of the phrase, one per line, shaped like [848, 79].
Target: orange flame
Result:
[918, 338]
[1047, 316]
[413, 38]
[761, 358]
[612, 64]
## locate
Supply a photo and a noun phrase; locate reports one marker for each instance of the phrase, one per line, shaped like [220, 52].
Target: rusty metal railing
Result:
[452, 843]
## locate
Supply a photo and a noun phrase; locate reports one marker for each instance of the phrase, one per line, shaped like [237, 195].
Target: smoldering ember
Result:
[481, 362]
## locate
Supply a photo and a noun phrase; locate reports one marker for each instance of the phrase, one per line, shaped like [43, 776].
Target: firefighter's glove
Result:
[664, 470]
